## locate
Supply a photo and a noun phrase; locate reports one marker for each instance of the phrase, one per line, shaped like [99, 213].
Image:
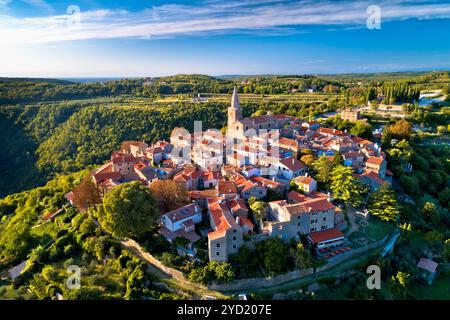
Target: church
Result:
[238, 125]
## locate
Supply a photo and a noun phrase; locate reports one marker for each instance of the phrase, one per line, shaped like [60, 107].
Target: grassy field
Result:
[374, 231]
[295, 97]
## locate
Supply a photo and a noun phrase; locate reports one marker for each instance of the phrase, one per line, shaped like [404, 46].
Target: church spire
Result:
[235, 99]
[234, 111]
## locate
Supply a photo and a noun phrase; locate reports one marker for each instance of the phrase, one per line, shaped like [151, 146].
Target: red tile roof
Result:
[237, 204]
[99, 177]
[375, 161]
[244, 221]
[304, 179]
[329, 131]
[203, 194]
[372, 176]
[266, 182]
[310, 205]
[292, 164]
[296, 197]
[225, 187]
[222, 218]
[325, 235]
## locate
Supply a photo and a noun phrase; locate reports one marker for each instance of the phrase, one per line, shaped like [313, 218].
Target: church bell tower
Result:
[234, 111]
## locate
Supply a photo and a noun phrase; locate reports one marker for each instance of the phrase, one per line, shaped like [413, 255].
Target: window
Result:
[234, 231]
[298, 224]
[325, 219]
[217, 253]
[218, 245]
[234, 238]
[234, 246]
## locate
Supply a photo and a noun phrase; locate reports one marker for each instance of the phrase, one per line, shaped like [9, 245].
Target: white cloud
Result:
[41, 4]
[211, 17]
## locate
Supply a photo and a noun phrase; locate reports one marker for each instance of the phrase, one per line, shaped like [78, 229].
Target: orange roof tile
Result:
[325, 235]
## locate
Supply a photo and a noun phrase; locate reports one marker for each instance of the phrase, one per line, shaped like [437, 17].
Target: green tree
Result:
[346, 187]
[323, 167]
[273, 255]
[222, 270]
[128, 210]
[410, 184]
[446, 252]
[383, 203]
[430, 209]
[399, 284]
[362, 129]
[259, 210]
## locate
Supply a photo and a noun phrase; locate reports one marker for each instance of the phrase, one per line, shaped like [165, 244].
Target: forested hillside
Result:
[39, 142]
[41, 138]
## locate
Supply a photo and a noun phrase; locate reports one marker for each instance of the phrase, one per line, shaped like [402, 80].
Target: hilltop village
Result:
[222, 179]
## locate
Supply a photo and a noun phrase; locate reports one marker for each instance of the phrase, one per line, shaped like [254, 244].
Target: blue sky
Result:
[42, 38]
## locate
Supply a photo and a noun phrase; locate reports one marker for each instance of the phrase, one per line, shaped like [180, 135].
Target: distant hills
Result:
[379, 76]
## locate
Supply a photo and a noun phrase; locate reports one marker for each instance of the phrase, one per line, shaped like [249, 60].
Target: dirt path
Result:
[353, 225]
[174, 282]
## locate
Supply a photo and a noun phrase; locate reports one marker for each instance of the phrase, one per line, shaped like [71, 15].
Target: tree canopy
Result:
[128, 210]
[383, 203]
[346, 187]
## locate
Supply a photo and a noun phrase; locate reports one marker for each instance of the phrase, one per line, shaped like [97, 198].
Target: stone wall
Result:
[251, 283]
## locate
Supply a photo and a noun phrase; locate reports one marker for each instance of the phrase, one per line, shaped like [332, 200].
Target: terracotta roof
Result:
[222, 218]
[124, 159]
[203, 194]
[288, 142]
[310, 205]
[238, 178]
[248, 185]
[325, 235]
[244, 221]
[318, 204]
[266, 182]
[105, 176]
[296, 197]
[237, 204]
[329, 131]
[225, 187]
[375, 161]
[107, 167]
[292, 163]
[372, 176]
[304, 179]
